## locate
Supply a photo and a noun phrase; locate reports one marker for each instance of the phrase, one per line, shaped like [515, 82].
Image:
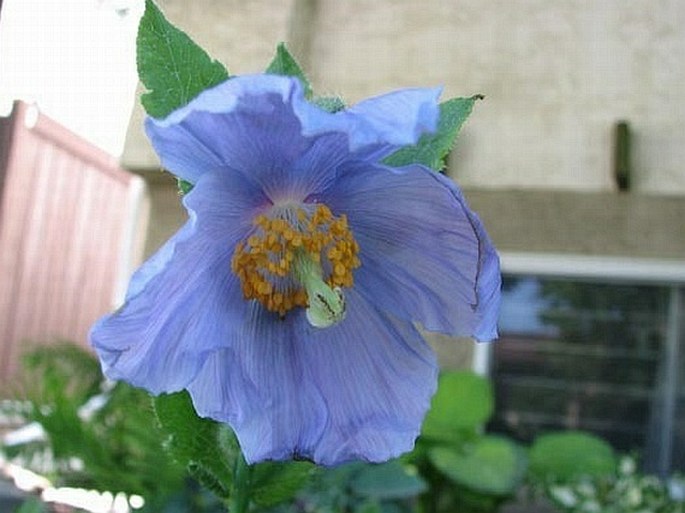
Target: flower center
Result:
[298, 256]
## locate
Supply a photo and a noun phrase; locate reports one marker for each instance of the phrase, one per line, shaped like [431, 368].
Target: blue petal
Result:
[262, 126]
[425, 256]
[381, 124]
[358, 390]
[244, 124]
[185, 300]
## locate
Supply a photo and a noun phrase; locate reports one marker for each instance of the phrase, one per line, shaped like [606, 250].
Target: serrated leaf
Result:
[569, 454]
[171, 66]
[432, 149]
[195, 442]
[285, 64]
[273, 483]
[208, 480]
[463, 403]
[389, 480]
[491, 465]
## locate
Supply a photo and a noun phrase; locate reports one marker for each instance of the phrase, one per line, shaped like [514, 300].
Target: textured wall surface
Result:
[557, 76]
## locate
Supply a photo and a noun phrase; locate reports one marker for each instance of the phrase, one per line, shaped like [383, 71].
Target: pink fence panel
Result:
[72, 226]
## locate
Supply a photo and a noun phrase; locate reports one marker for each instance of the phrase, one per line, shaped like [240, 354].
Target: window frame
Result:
[668, 273]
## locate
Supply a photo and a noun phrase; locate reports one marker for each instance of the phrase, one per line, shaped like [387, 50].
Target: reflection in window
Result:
[592, 356]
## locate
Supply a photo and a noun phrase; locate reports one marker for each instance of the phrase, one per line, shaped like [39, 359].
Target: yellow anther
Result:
[267, 261]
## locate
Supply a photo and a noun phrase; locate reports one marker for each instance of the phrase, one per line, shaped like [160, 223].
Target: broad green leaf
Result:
[491, 465]
[272, 483]
[463, 403]
[432, 149]
[390, 480]
[195, 442]
[285, 64]
[569, 454]
[171, 66]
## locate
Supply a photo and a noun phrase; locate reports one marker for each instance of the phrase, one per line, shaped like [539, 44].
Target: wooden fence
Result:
[72, 227]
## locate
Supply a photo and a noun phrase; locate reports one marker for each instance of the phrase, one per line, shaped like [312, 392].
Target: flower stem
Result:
[240, 498]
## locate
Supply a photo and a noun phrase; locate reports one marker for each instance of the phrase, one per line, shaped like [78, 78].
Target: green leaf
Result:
[171, 66]
[330, 104]
[491, 465]
[432, 149]
[184, 186]
[32, 505]
[569, 454]
[285, 64]
[272, 483]
[369, 506]
[389, 480]
[197, 443]
[463, 403]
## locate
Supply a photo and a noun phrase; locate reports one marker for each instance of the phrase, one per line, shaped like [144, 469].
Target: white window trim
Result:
[606, 268]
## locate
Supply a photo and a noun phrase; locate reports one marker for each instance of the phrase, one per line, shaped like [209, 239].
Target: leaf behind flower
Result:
[432, 149]
[193, 441]
[172, 66]
[285, 64]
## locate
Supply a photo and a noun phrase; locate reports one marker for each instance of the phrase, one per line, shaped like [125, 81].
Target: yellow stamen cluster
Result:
[266, 263]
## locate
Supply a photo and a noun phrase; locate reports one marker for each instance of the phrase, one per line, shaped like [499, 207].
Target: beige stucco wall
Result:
[557, 75]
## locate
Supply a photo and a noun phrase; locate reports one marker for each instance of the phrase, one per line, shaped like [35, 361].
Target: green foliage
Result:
[432, 149]
[466, 470]
[115, 450]
[184, 187]
[210, 452]
[570, 454]
[624, 491]
[330, 103]
[491, 465]
[193, 442]
[463, 403]
[456, 469]
[273, 483]
[171, 66]
[285, 64]
[391, 480]
[60, 373]
[357, 487]
[32, 505]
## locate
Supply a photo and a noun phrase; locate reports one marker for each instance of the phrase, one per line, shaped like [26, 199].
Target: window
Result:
[593, 344]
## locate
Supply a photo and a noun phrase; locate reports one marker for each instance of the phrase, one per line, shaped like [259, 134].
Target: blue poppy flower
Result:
[288, 304]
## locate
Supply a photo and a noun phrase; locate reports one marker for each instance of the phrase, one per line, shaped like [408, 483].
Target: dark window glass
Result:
[591, 356]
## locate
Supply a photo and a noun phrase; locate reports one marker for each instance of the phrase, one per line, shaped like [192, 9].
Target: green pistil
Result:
[326, 305]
